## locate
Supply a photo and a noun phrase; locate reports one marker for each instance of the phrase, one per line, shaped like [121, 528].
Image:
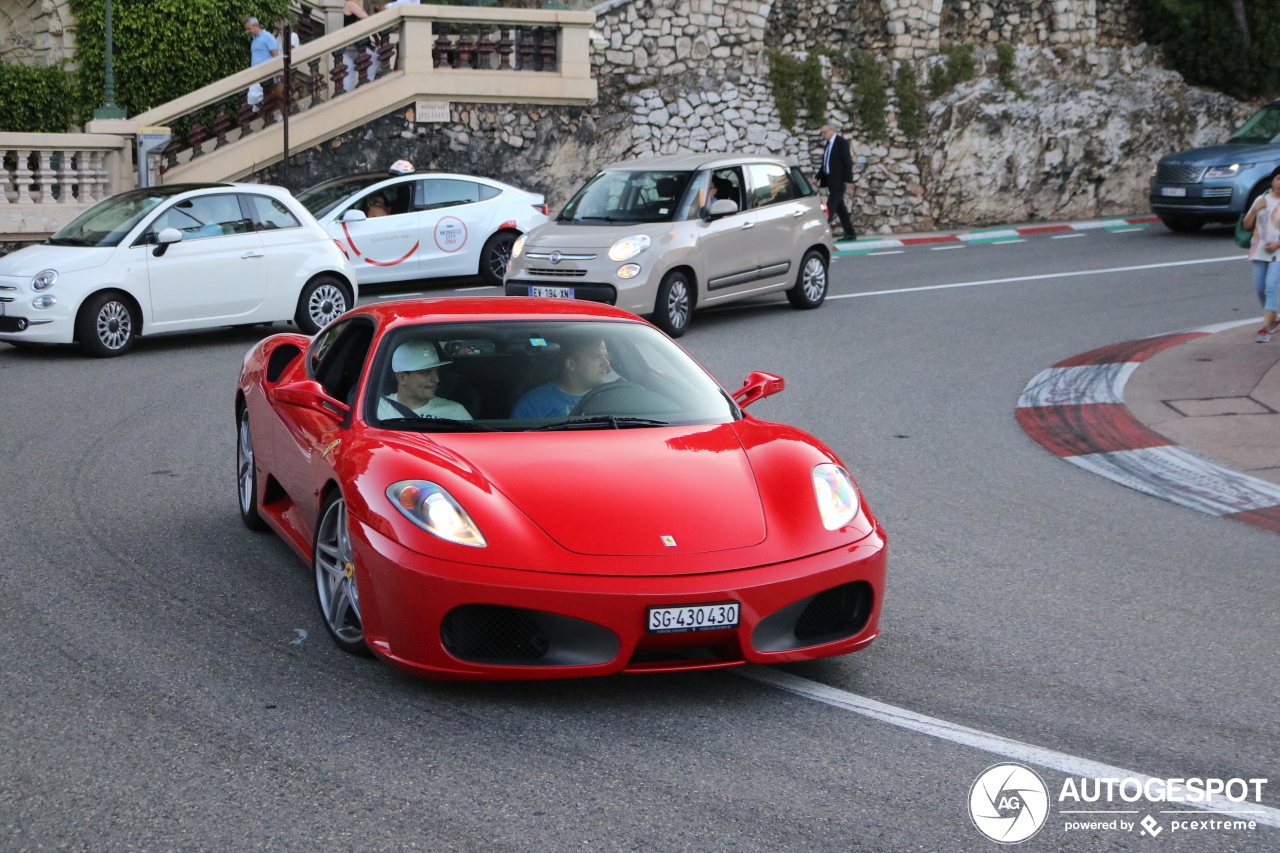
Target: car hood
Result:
[560, 235]
[1224, 155]
[33, 259]
[629, 492]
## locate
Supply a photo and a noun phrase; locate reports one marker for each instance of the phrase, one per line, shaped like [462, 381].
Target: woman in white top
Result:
[1263, 219]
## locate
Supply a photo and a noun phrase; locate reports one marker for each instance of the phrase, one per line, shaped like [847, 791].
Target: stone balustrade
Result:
[47, 179]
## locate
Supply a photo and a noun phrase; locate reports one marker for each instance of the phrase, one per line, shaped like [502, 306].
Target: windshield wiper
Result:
[430, 424]
[70, 241]
[597, 219]
[602, 422]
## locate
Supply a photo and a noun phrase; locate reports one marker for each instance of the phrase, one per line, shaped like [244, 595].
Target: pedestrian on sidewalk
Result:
[1263, 219]
[262, 47]
[836, 174]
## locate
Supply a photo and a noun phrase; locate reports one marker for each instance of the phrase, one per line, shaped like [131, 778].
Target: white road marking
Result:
[890, 252]
[1007, 242]
[1066, 236]
[1017, 750]
[946, 248]
[482, 287]
[1126, 230]
[1040, 277]
[397, 295]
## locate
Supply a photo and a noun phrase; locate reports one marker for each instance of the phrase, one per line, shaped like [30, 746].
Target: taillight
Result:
[542, 208]
[825, 212]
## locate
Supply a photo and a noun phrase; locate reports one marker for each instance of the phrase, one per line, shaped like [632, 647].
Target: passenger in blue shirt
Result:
[585, 365]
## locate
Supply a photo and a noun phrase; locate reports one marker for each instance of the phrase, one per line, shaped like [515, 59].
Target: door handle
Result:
[747, 225]
[797, 214]
[251, 255]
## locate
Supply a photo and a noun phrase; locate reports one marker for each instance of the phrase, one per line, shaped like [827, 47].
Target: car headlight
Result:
[628, 271]
[1227, 171]
[435, 511]
[628, 247]
[46, 301]
[837, 498]
[44, 280]
[517, 248]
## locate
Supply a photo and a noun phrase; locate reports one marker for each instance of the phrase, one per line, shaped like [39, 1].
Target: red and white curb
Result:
[1076, 410]
[993, 235]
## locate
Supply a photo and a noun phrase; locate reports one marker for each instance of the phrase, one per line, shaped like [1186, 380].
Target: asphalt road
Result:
[152, 696]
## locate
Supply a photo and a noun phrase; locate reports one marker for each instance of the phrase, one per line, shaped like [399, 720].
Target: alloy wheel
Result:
[336, 575]
[114, 325]
[326, 304]
[815, 280]
[678, 304]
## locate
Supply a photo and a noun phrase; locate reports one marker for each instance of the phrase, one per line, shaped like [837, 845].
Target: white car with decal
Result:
[171, 258]
[401, 225]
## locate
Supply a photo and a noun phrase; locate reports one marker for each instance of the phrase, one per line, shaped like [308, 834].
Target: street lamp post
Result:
[109, 108]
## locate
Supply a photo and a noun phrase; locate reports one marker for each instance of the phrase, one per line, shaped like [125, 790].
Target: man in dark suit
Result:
[836, 173]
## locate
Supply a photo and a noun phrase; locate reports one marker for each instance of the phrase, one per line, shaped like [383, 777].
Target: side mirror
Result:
[164, 239]
[722, 207]
[310, 394]
[354, 215]
[757, 386]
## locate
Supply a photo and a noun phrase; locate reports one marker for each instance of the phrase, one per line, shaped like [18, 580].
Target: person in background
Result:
[353, 11]
[1263, 219]
[262, 47]
[836, 174]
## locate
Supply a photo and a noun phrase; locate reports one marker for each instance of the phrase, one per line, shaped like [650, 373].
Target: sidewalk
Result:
[979, 236]
[1191, 417]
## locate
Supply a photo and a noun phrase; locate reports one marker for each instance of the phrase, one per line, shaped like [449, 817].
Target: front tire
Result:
[247, 475]
[335, 573]
[810, 289]
[1181, 225]
[107, 325]
[495, 256]
[672, 311]
[323, 300]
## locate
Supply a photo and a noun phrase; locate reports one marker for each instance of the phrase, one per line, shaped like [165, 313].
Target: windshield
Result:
[110, 220]
[617, 196]
[522, 375]
[1262, 128]
[323, 198]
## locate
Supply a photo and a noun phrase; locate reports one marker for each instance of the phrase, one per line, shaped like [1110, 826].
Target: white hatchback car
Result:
[172, 258]
[398, 226]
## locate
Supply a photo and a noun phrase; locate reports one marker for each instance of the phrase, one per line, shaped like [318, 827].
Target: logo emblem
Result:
[555, 257]
[669, 541]
[1151, 827]
[1008, 803]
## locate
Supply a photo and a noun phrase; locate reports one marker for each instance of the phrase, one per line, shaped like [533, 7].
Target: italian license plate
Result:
[1174, 191]
[693, 617]
[552, 292]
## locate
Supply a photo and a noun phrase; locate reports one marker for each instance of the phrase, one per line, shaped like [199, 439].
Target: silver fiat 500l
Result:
[665, 235]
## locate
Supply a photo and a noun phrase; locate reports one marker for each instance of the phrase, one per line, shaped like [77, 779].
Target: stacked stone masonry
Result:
[36, 32]
[1094, 113]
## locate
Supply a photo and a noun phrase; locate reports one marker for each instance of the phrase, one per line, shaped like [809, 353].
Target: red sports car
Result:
[534, 488]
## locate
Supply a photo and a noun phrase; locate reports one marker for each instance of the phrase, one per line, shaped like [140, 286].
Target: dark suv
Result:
[1218, 183]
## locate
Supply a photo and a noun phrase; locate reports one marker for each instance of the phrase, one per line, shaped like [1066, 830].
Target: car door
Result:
[457, 217]
[217, 272]
[287, 245]
[727, 244]
[780, 210]
[304, 439]
[387, 245]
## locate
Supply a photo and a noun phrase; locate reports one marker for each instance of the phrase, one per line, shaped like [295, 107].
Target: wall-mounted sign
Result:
[431, 111]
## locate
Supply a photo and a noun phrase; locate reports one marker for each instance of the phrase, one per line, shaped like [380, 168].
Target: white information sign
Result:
[431, 111]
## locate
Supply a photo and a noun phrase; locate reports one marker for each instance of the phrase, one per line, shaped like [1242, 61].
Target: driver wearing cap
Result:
[417, 368]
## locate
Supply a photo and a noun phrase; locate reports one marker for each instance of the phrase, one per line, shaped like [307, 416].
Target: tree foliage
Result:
[1203, 41]
[163, 49]
[36, 99]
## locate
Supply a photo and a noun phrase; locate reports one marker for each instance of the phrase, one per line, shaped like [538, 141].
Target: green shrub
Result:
[1006, 68]
[1201, 41]
[163, 49]
[910, 104]
[870, 95]
[797, 83]
[36, 99]
[957, 68]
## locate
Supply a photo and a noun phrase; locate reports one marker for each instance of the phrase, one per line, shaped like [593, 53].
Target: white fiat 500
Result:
[401, 225]
[172, 258]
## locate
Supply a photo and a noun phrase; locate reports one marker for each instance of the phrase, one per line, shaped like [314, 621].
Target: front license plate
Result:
[1, 309]
[693, 617]
[552, 292]
[1174, 191]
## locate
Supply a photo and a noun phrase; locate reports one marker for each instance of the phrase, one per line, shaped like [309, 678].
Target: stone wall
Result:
[36, 32]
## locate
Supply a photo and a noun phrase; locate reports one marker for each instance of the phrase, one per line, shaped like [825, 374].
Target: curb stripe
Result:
[981, 236]
[1062, 762]
[1076, 411]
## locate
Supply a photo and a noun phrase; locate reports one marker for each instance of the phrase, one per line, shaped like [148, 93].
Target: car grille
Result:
[1177, 173]
[837, 612]
[1217, 192]
[6, 298]
[13, 324]
[557, 273]
[1199, 201]
[514, 636]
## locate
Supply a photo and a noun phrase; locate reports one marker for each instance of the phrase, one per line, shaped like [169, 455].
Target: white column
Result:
[22, 177]
[66, 177]
[45, 176]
